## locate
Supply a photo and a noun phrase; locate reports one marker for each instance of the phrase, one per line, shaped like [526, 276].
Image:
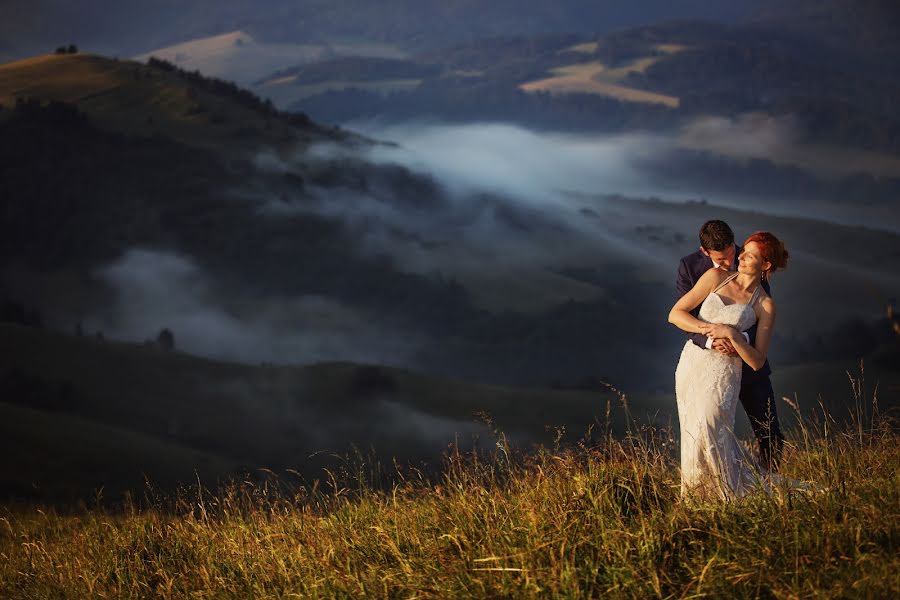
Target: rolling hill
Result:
[155, 99]
[241, 58]
[80, 413]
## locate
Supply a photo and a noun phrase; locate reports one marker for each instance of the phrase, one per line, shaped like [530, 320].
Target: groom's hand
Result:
[724, 346]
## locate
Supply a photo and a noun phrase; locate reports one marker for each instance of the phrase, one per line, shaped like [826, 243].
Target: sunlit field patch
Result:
[597, 78]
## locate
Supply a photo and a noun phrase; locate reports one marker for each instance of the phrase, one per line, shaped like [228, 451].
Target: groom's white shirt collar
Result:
[718, 266]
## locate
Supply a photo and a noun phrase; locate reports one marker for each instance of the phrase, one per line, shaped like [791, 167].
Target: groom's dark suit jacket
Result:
[691, 268]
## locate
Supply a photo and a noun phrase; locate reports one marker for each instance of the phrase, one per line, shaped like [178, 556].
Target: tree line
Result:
[229, 89]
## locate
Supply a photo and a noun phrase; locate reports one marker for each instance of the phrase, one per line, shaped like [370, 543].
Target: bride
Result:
[713, 464]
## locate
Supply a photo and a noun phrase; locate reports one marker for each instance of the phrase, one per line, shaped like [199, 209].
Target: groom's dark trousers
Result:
[757, 395]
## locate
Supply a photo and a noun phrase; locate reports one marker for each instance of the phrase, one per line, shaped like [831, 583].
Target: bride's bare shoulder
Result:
[764, 306]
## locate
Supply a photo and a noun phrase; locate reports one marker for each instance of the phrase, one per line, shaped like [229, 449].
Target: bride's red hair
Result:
[771, 248]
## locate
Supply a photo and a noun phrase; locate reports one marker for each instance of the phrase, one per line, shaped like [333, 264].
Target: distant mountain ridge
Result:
[654, 77]
[862, 27]
[138, 26]
[863, 31]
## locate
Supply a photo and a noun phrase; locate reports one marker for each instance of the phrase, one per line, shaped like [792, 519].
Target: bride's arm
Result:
[680, 315]
[755, 356]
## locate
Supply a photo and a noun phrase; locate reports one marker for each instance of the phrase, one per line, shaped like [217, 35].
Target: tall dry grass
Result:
[602, 518]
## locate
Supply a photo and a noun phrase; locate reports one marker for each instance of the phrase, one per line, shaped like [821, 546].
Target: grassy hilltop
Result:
[596, 521]
[148, 100]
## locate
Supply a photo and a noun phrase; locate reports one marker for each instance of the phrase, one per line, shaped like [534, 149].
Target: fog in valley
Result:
[155, 288]
[525, 221]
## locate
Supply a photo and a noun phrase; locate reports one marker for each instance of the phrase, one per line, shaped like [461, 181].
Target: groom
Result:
[717, 249]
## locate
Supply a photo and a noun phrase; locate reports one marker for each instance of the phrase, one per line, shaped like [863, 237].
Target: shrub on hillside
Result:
[166, 340]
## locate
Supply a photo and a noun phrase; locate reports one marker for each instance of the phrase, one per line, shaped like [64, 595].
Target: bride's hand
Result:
[705, 329]
[719, 331]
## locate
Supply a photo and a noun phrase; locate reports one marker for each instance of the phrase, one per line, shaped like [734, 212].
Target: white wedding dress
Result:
[707, 384]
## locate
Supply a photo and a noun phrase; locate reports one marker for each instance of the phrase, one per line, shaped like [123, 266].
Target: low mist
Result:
[536, 167]
[526, 223]
[155, 289]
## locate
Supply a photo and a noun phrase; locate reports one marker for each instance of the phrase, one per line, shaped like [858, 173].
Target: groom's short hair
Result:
[716, 235]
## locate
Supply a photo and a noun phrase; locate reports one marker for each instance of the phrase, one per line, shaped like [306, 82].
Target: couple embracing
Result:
[726, 308]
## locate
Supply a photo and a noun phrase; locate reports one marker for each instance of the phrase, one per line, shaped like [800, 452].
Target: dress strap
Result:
[755, 296]
[727, 279]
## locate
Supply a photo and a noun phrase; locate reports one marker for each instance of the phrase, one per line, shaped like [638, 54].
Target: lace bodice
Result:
[740, 316]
